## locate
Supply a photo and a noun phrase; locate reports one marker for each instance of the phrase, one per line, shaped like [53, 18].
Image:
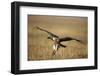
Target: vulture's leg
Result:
[54, 53]
[55, 48]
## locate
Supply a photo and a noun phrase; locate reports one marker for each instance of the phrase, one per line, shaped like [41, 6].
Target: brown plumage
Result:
[57, 41]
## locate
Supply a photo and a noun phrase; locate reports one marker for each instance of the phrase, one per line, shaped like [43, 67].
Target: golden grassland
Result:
[40, 48]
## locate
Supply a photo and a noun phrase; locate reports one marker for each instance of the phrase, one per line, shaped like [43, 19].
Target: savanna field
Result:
[40, 48]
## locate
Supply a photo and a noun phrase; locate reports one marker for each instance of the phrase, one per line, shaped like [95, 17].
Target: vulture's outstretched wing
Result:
[68, 39]
[50, 34]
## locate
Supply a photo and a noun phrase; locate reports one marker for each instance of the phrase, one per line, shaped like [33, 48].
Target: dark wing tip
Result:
[79, 41]
[39, 28]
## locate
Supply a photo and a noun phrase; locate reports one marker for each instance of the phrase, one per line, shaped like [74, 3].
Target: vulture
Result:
[57, 40]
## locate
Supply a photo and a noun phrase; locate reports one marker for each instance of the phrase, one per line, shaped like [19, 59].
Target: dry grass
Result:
[40, 48]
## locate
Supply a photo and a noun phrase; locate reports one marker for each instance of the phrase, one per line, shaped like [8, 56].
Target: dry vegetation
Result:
[40, 48]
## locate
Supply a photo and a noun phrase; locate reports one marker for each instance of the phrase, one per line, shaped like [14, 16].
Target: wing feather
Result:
[68, 39]
[51, 34]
